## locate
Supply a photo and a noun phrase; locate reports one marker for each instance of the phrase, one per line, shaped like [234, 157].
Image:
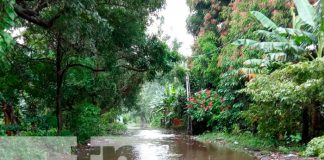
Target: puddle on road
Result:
[159, 145]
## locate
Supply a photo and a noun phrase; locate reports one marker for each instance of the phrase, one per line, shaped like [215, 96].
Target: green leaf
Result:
[246, 71]
[268, 46]
[280, 56]
[256, 62]
[244, 42]
[265, 21]
[296, 32]
[271, 35]
[253, 62]
[8, 22]
[10, 12]
[298, 23]
[306, 12]
[6, 37]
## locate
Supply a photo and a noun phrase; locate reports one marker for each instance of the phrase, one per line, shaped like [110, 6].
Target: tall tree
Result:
[98, 49]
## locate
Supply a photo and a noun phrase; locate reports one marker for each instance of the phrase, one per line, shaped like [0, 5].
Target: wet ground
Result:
[150, 144]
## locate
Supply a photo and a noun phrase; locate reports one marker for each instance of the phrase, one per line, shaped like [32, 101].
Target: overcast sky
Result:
[175, 15]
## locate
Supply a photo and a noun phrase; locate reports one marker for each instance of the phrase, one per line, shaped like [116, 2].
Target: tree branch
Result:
[116, 4]
[31, 16]
[83, 66]
[44, 60]
[132, 68]
[40, 5]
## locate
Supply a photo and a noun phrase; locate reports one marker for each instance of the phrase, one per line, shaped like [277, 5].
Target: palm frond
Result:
[256, 63]
[279, 56]
[271, 35]
[244, 42]
[246, 71]
[296, 32]
[265, 21]
[306, 12]
[253, 62]
[296, 21]
[269, 46]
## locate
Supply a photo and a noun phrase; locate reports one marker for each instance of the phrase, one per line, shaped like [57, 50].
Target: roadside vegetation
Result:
[89, 68]
[74, 67]
[256, 74]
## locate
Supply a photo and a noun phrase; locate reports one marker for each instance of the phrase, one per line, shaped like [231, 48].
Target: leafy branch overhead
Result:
[79, 53]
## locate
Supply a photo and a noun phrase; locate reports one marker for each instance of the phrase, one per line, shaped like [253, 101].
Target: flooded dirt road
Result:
[150, 144]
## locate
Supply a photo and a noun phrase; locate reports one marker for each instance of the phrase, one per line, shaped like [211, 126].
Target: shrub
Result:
[279, 98]
[86, 121]
[315, 147]
[116, 128]
[156, 119]
[50, 132]
[204, 104]
[236, 129]
[208, 106]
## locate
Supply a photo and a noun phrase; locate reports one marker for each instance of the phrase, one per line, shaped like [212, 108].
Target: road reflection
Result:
[158, 145]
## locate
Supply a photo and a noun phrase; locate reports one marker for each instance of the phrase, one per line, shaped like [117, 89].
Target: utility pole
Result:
[189, 126]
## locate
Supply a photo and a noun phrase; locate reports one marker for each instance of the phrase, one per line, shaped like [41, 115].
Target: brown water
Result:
[149, 144]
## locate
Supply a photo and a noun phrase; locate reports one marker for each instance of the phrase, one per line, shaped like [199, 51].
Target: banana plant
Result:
[296, 41]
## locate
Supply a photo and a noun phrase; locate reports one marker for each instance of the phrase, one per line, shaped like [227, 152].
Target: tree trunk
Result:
[316, 121]
[305, 132]
[59, 105]
[59, 82]
[143, 120]
[312, 122]
[9, 117]
[6, 117]
[33, 113]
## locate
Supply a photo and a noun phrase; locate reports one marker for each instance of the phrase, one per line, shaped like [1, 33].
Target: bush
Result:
[50, 132]
[236, 129]
[315, 147]
[109, 117]
[204, 104]
[126, 118]
[86, 121]
[116, 128]
[207, 106]
[156, 119]
[279, 98]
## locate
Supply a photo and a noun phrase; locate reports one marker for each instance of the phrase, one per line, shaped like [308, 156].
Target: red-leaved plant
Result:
[205, 103]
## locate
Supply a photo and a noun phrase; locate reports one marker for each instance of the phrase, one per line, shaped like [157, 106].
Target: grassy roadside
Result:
[247, 142]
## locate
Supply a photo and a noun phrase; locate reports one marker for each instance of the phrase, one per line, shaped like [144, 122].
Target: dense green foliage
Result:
[85, 114]
[74, 63]
[282, 45]
[279, 98]
[247, 141]
[315, 147]
[74, 67]
[243, 140]
[161, 102]
[8, 16]
[263, 58]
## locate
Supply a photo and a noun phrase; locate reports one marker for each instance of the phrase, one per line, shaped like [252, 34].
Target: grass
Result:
[250, 142]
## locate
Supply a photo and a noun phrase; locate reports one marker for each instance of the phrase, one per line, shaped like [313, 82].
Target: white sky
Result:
[175, 15]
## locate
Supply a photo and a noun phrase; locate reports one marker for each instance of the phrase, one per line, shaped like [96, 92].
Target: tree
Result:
[229, 21]
[286, 98]
[85, 51]
[300, 43]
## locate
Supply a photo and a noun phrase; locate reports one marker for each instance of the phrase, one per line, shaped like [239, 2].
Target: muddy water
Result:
[158, 145]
